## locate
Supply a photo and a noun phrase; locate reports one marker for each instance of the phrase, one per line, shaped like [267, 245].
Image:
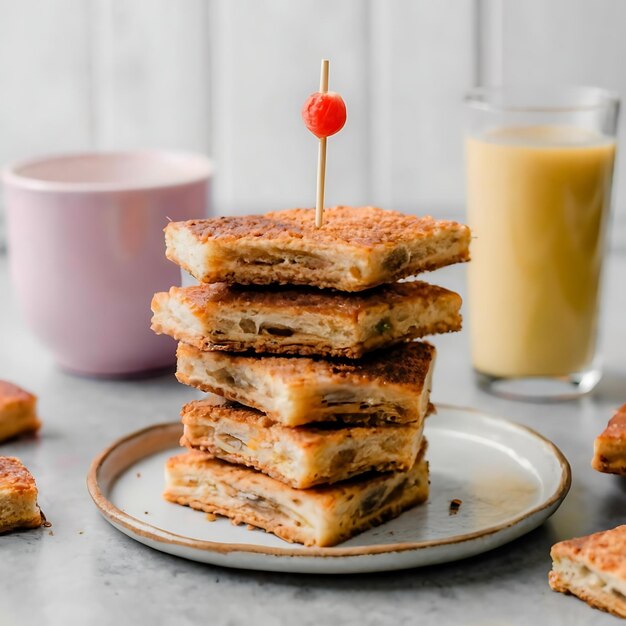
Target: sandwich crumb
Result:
[211, 517]
[455, 505]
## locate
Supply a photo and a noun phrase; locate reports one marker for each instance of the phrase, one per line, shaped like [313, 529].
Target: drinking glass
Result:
[539, 177]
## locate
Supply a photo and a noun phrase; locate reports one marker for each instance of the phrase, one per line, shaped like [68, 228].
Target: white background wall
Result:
[228, 77]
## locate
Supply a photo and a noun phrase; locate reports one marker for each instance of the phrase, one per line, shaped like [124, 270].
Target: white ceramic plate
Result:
[509, 479]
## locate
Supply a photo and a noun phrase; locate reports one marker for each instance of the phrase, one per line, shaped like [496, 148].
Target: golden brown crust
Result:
[593, 568]
[298, 299]
[17, 411]
[15, 476]
[407, 364]
[304, 321]
[364, 227]
[610, 446]
[356, 249]
[387, 385]
[604, 551]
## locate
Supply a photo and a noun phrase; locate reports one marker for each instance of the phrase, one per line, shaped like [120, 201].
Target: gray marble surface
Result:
[83, 571]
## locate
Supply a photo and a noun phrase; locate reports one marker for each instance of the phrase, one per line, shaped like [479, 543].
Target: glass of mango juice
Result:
[539, 178]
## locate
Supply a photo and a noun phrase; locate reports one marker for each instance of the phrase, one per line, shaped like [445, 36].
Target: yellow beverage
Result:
[538, 201]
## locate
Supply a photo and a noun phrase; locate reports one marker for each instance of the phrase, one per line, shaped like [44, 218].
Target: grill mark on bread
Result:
[362, 226]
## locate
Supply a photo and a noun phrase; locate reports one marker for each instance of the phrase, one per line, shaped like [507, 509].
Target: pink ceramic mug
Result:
[86, 250]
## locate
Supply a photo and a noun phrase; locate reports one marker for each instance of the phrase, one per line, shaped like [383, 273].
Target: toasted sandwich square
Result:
[18, 411]
[300, 457]
[18, 496]
[594, 569]
[356, 248]
[610, 446]
[304, 321]
[320, 516]
[390, 385]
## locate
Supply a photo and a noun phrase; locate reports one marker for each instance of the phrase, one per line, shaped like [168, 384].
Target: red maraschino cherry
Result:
[324, 114]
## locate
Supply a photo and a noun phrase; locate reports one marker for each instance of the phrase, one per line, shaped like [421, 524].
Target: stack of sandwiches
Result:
[306, 344]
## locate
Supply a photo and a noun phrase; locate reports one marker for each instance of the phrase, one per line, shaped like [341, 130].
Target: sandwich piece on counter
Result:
[18, 496]
[357, 247]
[301, 457]
[304, 321]
[18, 411]
[389, 385]
[320, 516]
[594, 569]
[610, 446]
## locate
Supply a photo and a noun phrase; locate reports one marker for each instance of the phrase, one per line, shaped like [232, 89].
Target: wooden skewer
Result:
[321, 158]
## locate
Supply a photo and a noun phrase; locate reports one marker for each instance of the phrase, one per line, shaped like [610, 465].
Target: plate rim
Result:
[159, 535]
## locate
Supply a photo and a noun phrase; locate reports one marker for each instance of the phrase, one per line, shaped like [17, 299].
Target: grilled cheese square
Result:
[610, 446]
[320, 516]
[594, 569]
[18, 496]
[18, 414]
[356, 248]
[304, 321]
[300, 457]
[391, 385]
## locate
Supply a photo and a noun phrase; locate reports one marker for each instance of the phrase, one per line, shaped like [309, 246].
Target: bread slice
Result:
[594, 569]
[300, 457]
[356, 248]
[304, 321]
[610, 446]
[321, 516]
[18, 496]
[391, 385]
[18, 411]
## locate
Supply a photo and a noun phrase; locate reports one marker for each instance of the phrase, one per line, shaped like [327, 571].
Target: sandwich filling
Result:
[304, 321]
